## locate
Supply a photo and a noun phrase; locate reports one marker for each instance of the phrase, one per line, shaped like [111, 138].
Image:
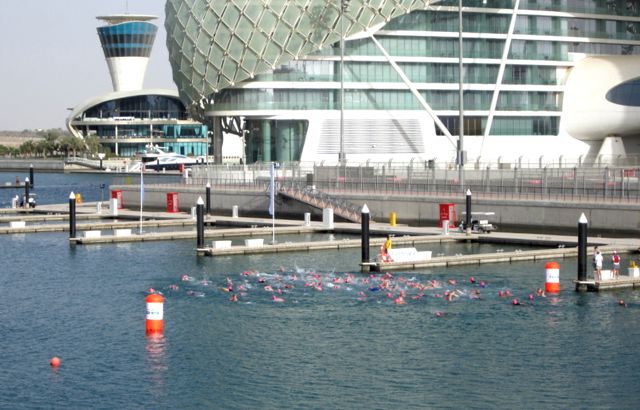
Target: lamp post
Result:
[460, 153]
[101, 157]
[344, 6]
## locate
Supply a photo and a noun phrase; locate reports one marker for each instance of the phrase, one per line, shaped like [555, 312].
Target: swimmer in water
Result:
[234, 298]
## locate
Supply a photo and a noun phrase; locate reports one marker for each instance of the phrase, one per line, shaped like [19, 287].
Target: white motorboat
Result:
[154, 157]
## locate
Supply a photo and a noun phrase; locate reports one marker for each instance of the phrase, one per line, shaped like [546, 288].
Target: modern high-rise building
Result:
[131, 117]
[377, 80]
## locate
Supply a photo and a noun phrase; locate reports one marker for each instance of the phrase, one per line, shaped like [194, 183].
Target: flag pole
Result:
[272, 208]
[141, 194]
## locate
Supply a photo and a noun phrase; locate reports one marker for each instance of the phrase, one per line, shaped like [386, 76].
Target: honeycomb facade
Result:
[216, 44]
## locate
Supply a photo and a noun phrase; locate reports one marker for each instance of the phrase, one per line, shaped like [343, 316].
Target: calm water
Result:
[330, 344]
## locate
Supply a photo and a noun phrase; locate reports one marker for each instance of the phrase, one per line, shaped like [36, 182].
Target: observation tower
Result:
[127, 40]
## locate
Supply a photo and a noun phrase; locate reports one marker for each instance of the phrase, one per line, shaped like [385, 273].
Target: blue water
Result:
[54, 188]
[347, 345]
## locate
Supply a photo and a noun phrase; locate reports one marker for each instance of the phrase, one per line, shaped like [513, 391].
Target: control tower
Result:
[127, 40]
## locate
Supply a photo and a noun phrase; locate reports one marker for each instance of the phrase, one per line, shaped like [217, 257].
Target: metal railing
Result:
[607, 183]
[591, 184]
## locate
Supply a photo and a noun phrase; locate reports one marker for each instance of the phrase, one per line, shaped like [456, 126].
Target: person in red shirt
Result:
[616, 264]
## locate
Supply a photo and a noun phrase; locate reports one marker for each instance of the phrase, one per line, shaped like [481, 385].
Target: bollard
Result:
[200, 222]
[155, 313]
[552, 281]
[327, 218]
[27, 185]
[365, 233]
[31, 179]
[468, 216]
[234, 211]
[15, 201]
[72, 215]
[393, 219]
[307, 219]
[582, 248]
[445, 227]
[113, 205]
[208, 199]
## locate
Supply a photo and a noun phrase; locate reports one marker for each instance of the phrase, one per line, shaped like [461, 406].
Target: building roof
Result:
[123, 18]
[78, 110]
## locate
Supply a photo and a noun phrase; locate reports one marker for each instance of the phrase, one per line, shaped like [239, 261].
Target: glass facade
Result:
[627, 93]
[142, 106]
[275, 140]
[129, 39]
[126, 125]
[548, 37]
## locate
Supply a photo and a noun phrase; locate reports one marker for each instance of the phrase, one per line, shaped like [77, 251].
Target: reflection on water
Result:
[157, 360]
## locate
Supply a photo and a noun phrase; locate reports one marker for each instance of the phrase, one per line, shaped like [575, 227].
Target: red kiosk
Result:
[172, 202]
[448, 213]
[117, 194]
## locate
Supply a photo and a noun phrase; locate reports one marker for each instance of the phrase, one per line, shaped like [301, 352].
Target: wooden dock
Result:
[190, 234]
[623, 282]
[320, 245]
[484, 258]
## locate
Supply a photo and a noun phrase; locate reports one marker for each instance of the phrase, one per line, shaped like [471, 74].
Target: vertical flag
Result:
[271, 191]
[141, 194]
[141, 186]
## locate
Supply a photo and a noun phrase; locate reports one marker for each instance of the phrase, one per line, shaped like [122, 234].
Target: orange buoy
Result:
[552, 283]
[155, 313]
[55, 361]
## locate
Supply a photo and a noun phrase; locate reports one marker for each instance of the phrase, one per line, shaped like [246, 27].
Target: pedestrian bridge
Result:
[322, 200]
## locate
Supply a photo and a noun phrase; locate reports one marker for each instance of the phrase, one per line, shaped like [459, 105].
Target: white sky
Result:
[51, 58]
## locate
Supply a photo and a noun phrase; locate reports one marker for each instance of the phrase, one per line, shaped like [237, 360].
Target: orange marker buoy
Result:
[552, 283]
[155, 313]
[55, 361]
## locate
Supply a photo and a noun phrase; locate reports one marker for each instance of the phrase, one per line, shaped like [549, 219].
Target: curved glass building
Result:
[542, 79]
[130, 118]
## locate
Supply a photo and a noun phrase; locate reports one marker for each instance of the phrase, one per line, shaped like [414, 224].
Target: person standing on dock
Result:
[387, 243]
[597, 264]
[615, 259]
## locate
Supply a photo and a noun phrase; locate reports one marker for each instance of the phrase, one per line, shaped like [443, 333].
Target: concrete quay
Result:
[559, 214]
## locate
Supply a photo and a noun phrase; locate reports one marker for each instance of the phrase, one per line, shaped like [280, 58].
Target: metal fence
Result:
[596, 184]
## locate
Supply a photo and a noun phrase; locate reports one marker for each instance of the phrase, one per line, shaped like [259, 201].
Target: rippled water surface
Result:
[338, 339]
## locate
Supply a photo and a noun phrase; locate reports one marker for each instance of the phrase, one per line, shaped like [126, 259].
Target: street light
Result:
[461, 152]
[101, 157]
[344, 6]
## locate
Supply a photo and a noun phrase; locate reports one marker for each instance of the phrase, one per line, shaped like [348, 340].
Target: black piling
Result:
[364, 216]
[200, 222]
[31, 179]
[72, 215]
[27, 185]
[467, 221]
[208, 198]
[582, 250]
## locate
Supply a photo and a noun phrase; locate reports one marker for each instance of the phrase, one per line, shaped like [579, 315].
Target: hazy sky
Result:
[52, 59]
